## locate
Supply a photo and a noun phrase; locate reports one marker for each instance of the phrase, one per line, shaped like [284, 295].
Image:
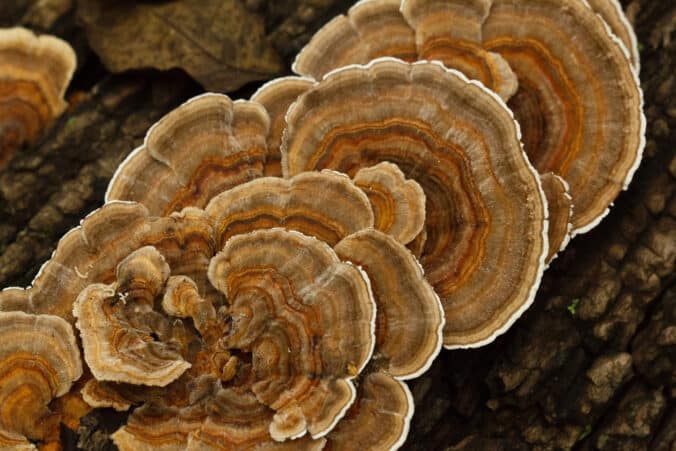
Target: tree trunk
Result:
[591, 365]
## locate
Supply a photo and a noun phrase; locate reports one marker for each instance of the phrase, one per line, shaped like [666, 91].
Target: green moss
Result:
[572, 307]
[585, 433]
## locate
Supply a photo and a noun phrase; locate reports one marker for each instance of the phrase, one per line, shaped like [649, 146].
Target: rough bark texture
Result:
[592, 365]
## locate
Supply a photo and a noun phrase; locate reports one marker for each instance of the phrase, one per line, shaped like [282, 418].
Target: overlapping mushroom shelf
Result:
[266, 273]
[34, 74]
[249, 323]
[483, 238]
[571, 83]
[233, 309]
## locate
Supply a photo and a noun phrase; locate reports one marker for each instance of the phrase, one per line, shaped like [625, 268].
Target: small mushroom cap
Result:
[398, 204]
[117, 346]
[560, 206]
[612, 14]
[380, 418]
[34, 74]
[371, 29]
[90, 254]
[459, 45]
[326, 205]
[579, 102]
[410, 317]
[486, 214]
[307, 318]
[102, 394]
[182, 299]
[39, 360]
[203, 147]
[276, 96]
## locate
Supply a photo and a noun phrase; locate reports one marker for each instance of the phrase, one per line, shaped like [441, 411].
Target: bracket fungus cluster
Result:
[266, 273]
[34, 74]
[571, 83]
[269, 319]
[39, 360]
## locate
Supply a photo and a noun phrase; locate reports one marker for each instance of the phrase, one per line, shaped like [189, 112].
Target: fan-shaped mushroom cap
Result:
[410, 317]
[308, 320]
[90, 254]
[486, 213]
[102, 394]
[329, 206]
[380, 418]
[579, 102]
[34, 74]
[39, 360]
[560, 206]
[398, 204]
[450, 31]
[276, 96]
[375, 28]
[203, 147]
[326, 205]
[612, 14]
[112, 320]
[578, 99]
[371, 29]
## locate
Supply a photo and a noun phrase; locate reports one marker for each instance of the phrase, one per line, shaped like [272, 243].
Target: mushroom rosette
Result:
[34, 74]
[39, 360]
[482, 232]
[485, 224]
[251, 323]
[577, 99]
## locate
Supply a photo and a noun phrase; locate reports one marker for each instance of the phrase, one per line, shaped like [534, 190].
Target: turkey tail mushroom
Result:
[34, 74]
[39, 361]
[486, 213]
[577, 98]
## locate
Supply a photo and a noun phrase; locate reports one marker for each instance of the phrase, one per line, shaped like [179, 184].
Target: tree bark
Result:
[592, 364]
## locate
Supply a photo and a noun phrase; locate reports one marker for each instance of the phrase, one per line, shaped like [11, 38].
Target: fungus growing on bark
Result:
[560, 206]
[451, 32]
[578, 99]
[90, 253]
[379, 419]
[326, 205]
[116, 323]
[39, 361]
[205, 146]
[276, 96]
[257, 344]
[612, 14]
[579, 102]
[306, 317]
[34, 74]
[398, 204]
[370, 30]
[486, 214]
[410, 318]
[103, 394]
